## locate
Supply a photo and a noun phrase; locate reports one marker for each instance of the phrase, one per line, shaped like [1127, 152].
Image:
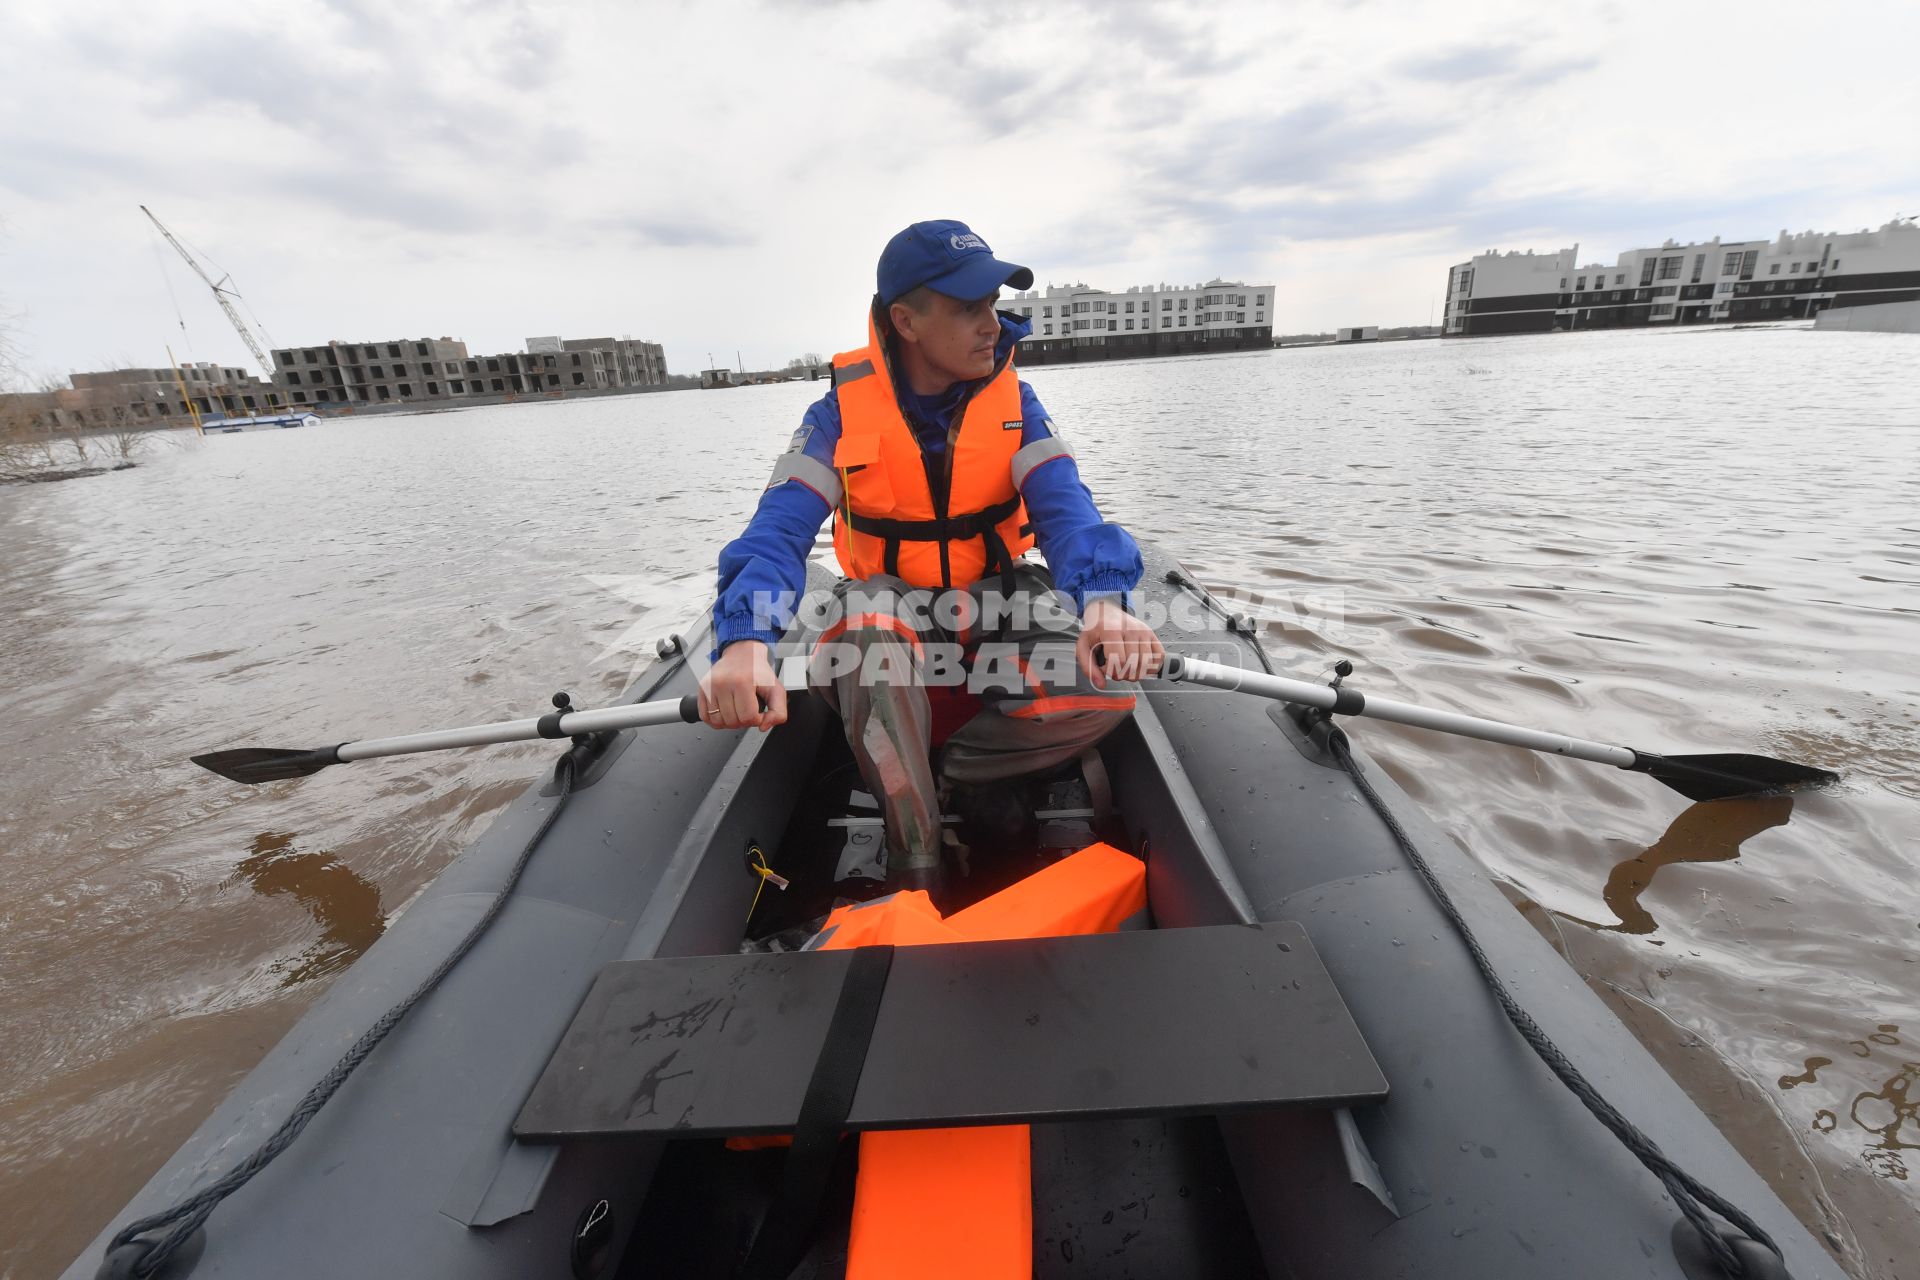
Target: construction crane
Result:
[222, 295]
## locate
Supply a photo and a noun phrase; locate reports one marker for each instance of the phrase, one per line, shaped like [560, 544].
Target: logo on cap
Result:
[961, 243]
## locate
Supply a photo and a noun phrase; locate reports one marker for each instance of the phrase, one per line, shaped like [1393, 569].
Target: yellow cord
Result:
[761, 869]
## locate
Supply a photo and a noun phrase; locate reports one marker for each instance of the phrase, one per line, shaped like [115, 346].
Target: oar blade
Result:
[267, 764]
[1722, 775]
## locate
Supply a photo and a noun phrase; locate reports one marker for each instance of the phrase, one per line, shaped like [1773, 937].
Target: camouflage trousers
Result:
[884, 644]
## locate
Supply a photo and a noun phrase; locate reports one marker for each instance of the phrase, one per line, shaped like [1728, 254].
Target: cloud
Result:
[459, 165]
[1313, 143]
[1124, 63]
[1506, 63]
[671, 232]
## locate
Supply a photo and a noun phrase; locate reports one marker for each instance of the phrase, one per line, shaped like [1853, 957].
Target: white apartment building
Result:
[1789, 277]
[1523, 288]
[1079, 322]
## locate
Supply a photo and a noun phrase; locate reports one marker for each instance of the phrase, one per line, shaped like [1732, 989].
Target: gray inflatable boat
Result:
[1472, 1160]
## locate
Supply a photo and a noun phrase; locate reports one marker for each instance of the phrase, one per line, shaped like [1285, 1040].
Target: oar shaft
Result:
[597, 720]
[1352, 702]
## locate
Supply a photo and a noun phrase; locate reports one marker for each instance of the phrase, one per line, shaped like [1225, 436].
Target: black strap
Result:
[983, 524]
[790, 1218]
[972, 524]
[1000, 560]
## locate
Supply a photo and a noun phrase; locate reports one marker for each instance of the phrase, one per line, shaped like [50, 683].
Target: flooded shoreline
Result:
[1685, 546]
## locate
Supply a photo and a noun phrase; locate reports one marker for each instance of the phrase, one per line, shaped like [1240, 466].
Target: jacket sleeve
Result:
[1089, 557]
[764, 571]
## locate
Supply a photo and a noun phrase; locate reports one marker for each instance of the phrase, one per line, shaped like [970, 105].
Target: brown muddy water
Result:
[1704, 540]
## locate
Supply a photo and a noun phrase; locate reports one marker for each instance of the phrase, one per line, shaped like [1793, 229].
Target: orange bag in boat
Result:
[902, 919]
[957, 1204]
[1093, 891]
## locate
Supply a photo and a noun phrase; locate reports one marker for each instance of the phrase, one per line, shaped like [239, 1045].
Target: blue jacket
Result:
[767, 564]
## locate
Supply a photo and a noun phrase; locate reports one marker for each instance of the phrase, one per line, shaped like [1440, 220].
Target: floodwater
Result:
[1705, 540]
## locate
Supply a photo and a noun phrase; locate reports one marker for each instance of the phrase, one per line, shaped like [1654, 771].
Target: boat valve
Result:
[757, 864]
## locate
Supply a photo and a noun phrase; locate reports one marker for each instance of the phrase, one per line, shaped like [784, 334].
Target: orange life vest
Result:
[893, 519]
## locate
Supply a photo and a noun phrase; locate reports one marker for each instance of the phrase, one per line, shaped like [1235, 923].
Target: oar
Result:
[1697, 777]
[275, 764]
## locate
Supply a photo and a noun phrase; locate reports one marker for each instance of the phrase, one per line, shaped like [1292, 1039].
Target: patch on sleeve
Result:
[801, 435]
[1016, 425]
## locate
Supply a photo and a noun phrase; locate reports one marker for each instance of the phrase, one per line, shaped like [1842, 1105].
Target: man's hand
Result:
[743, 679]
[1129, 650]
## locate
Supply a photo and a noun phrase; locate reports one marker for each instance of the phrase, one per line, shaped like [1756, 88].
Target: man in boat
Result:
[942, 467]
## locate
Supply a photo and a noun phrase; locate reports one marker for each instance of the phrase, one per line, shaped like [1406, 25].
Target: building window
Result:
[406, 388]
[1731, 264]
[1670, 267]
[457, 388]
[1699, 265]
[372, 352]
[293, 377]
[1046, 311]
[1129, 324]
[576, 359]
[320, 397]
[1795, 271]
[1259, 317]
[497, 384]
[1834, 265]
[393, 349]
[1582, 286]
[1183, 322]
[493, 366]
[383, 393]
[1183, 307]
[420, 348]
[1773, 269]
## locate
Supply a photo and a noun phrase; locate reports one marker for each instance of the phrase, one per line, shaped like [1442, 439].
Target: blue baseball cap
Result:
[948, 258]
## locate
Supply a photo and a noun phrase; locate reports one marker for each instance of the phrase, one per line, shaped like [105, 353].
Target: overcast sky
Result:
[721, 176]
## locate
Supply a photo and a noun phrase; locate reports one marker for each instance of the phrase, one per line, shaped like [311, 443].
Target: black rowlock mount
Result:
[1346, 702]
[588, 749]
